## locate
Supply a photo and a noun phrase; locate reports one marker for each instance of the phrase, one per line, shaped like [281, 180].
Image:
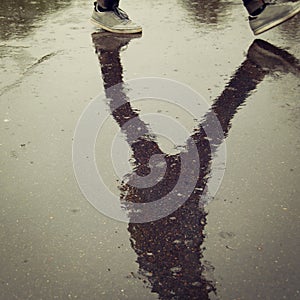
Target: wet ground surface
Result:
[54, 245]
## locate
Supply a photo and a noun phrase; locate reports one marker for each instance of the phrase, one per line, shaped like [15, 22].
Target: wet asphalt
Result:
[244, 244]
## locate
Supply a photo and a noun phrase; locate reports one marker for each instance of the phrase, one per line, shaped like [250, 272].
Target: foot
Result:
[273, 15]
[270, 58]
[115, 20]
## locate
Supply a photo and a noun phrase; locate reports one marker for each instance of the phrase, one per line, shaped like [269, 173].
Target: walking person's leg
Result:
[107, 15]
[264, 16]
[254, 7]
[107, 4]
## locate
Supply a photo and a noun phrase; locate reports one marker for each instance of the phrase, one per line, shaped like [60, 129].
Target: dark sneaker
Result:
[270, 58]
[115, 20]
[273, 15]
[107, 41]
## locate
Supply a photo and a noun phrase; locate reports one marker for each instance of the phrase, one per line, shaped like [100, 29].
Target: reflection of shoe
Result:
[271, 58]
[273, 15]
[107, 41]
[115, 20]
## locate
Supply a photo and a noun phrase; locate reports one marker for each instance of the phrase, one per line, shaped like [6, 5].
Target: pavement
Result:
[55, 245]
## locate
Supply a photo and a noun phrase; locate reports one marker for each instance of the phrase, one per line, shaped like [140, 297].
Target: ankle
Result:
[259, 10]
[99, 8]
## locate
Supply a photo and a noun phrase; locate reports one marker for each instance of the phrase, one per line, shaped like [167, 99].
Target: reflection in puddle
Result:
[169, 250]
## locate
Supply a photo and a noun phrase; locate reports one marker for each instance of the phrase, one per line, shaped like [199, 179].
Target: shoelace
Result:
[120, 13]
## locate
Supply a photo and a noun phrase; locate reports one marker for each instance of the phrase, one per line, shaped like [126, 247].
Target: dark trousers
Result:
[251, 5]
[108, 4]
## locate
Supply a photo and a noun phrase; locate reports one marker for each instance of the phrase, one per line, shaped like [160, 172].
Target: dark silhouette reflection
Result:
[169, 250]
[18, 17]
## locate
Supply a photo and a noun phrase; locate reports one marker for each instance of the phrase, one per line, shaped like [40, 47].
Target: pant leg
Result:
[253, 5]
[108, 4]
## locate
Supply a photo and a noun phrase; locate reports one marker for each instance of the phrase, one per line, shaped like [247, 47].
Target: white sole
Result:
[114, 30]
[277, 22]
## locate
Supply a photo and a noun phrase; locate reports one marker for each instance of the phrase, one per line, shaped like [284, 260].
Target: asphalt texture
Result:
[242, 244]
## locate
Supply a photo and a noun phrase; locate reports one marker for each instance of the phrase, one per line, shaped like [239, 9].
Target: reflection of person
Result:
[262, 15]
[169, 250]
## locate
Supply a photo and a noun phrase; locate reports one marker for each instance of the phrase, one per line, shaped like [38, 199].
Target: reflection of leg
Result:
[107, 15]
[244, 81]
[264, 16]
[262, 58]
[108, 48]
[225, 106]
